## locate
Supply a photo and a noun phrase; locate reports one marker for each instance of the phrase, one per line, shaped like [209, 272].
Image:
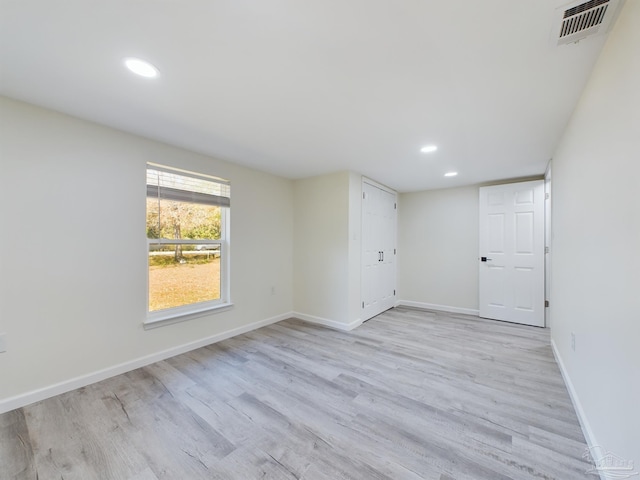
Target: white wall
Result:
[355, 249]
[326, 249]
[438, 249]
[73, 262]
[596, 244]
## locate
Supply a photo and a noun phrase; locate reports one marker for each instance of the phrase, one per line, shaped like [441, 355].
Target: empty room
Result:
[319, 239]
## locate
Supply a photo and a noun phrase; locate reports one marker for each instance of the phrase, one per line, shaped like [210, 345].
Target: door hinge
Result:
[546, 195]
[364, 195]
[394, 292]
[546, 303]
[395, 206]
[394, 251]
[362, 304]
[546, 249]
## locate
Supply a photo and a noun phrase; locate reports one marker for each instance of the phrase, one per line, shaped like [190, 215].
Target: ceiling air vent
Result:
[579, 20]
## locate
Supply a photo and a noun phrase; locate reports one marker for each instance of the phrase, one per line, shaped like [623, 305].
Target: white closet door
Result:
[388, 246]
[370, 252]
[378, 250]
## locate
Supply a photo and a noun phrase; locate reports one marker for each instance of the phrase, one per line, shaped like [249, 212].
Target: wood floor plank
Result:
[16, 450]
[408, 395]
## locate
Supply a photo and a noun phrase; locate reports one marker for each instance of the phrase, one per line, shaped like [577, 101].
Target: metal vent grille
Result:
[583, 17]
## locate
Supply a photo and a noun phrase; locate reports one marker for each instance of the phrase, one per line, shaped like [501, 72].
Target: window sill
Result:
[171, 316]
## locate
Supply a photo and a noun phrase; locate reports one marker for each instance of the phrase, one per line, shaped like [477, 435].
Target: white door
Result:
[378, 250]
[512, 252]
[547, 244]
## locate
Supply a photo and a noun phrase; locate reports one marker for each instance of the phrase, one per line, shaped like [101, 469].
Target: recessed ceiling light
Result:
[140, 67]
[450, 174]
[429, 148]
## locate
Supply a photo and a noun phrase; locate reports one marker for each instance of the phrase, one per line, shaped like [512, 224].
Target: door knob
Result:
[485, 259]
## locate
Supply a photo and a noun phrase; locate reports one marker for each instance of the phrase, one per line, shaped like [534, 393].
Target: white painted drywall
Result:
[327, 248]
[595, 286]
[355, 248]
[322, 247]
[73, 262]
[438, 248]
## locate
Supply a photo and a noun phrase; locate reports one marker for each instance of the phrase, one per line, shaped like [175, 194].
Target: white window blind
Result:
[178, 185]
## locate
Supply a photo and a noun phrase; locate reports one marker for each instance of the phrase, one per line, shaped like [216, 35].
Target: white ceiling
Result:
[306, 87]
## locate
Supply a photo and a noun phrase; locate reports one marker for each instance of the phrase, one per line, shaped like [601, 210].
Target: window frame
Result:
[182, 313]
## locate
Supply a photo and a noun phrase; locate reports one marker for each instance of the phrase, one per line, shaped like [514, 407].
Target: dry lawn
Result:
[176, 285]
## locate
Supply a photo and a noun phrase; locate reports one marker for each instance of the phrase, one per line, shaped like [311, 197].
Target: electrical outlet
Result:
[573, 341]
[3, 342]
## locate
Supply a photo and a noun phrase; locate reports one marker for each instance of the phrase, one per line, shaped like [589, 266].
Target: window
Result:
[187, 237]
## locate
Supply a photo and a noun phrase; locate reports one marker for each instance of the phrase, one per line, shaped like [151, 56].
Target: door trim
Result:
[379, 185]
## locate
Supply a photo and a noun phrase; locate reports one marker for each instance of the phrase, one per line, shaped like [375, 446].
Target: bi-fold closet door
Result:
[379, 223]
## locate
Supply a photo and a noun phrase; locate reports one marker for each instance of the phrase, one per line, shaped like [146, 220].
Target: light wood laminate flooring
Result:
[408, 395]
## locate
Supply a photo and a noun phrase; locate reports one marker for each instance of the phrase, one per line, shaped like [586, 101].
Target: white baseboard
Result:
[28, 398]
[582, 418]
[439, 308]
[328, 323]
